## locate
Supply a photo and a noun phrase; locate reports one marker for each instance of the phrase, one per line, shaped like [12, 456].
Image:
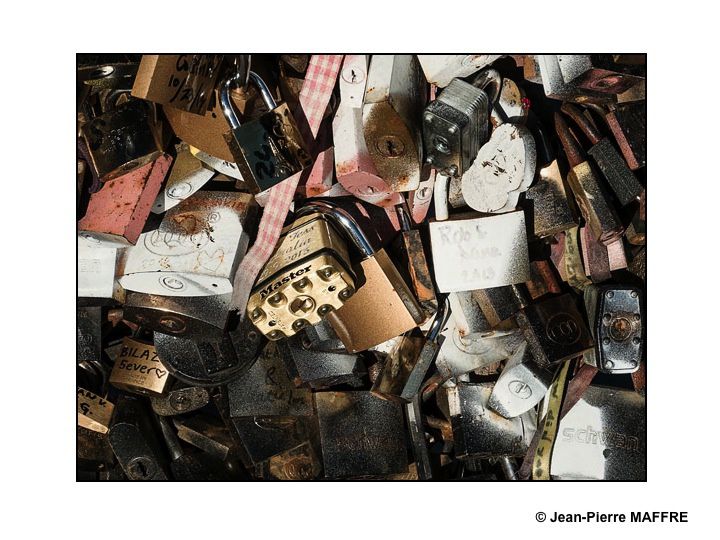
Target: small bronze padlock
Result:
[269, 149]
[94, 412]
[137, 369]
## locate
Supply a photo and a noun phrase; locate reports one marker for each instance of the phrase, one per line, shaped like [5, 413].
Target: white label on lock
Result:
[198, 262]
[228, 168]
[440, 69]
[480, 253]
[505, 164]
[188, 174]
[96, 270]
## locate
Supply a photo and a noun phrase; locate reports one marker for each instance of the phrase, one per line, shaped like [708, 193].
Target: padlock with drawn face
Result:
[473, 252]
[394, 99]
[269, 149]
[354, 167]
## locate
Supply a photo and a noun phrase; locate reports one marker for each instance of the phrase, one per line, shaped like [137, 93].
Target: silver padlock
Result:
[555, 86]
[394, 99]
[95, 269]
[471, 252]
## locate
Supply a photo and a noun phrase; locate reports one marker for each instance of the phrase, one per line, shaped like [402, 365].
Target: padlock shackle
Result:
[569, 143]
[583, 123]
[403, 217]
[236, 81]
[440, 197]
[344, 222]
[489, 77]
[439, 321]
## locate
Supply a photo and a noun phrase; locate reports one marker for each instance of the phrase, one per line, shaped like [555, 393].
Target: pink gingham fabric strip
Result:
[314, 97]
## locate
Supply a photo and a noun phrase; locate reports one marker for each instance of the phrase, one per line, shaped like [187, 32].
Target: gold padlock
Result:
[137, 369]
[94, 412]
[307, 277]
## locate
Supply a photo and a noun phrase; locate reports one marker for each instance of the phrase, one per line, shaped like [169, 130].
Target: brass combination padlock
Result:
[307, 277]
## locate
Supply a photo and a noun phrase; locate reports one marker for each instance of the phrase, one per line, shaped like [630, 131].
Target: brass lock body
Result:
[308, 276]
[138, 370]
[94, 412]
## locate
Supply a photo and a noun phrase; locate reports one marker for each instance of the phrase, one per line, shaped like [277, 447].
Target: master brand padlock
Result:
[477, 252]
[309, 274]
[122, 139]
[407, 364]
[354, 167]
[592, 198]
[195, 250]
[396, 93]
[615, 317]
[137, 369]
[269, 149]
[613, 167]
[455, 126]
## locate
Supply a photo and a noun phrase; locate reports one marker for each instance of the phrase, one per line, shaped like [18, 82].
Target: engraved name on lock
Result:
[94, 412]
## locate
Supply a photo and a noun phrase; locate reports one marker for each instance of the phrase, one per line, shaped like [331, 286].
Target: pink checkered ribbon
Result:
[314, 97]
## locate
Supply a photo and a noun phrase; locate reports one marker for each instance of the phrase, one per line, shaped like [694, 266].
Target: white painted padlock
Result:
[196, 249]
[503, 168]
[440, 69]
[471, 252]
[228, 168]
[354, 167]
[95, 269]
[188, 174]
[511, 105]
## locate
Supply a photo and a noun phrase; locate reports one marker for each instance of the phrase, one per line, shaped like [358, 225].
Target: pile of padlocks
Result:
[307, 267]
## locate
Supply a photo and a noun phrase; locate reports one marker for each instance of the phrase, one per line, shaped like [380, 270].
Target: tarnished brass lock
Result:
[137, 369]
[308, 275]
[592, 197]
[269, 149]
[195, 250]
[122, 139]
[475, 252]
[94, 412]
[182, 81]
[394, 99]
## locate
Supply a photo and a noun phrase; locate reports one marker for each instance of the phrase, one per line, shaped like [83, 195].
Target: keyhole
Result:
[390, 146]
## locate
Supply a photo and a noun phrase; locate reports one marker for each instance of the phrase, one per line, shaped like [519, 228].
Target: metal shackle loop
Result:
[491, 78]
[235, 81]
[439, 321]
[344, 222]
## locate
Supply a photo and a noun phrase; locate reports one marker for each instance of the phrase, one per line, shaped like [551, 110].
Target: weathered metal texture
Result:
[500, 303]
[181, 81]
[192, 316]
[180, 401]
[595, 257]
[542, 280]
[420, 199]
[394, 99]
[600, 72]
[551, 211]
[355, 168]
[187, 175]
[603, 437]
[266, 390]
[479, 431]
[628, 123]
[503, 169]
[555, 86]
[637, 230]
[320, 369]
[414, 266]
[479, 252]
[89, 334]
[361, 435]
[135, 443]
[615, 317]
[405, 368]
[219, 165]
[455, 126]
[521, 386]
[264, 437]
[299, 463]
[138, 369]
[117, 213]
[413, 415]
[511, 104]
[554, 329]
[441, 69]
[381, 309]
[206, 433]
[121, 140]
[195, 250]
[92, 447]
